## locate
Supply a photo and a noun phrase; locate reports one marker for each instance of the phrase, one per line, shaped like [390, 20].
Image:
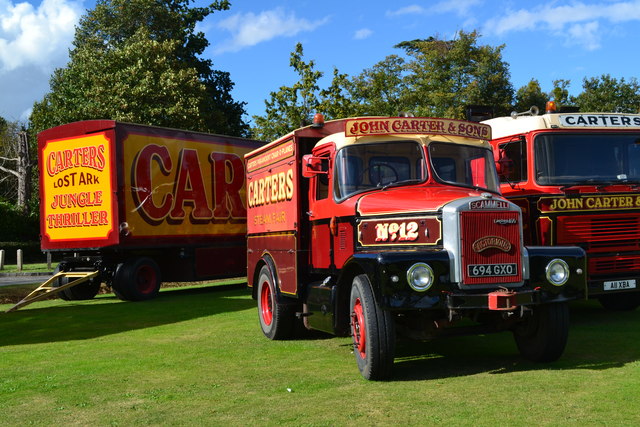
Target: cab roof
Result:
[514, 125]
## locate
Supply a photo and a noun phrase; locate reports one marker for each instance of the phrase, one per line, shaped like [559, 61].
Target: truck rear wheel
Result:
[627, 301]
[83, 291]
[372, 330]
[276, 320]
[543, 336]
[137, 279]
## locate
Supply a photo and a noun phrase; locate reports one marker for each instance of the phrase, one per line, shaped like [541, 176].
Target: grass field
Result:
[196, 356]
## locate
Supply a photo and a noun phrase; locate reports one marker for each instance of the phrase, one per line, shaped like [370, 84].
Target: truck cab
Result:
[377, 226]
[576, 177]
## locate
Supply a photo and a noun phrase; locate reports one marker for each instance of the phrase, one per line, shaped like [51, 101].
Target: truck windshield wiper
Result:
[403, 182]
[600, 184]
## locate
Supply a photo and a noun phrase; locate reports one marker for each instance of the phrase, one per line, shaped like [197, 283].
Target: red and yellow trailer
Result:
[142, 204]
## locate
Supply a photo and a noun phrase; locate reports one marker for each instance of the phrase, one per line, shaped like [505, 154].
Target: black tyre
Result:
[276, 320]
[373, 332]
[627, 301]
[137, 279]
[83, 291]
[543, 336]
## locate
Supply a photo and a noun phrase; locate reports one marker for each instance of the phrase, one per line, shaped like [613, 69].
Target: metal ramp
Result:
[47, 288]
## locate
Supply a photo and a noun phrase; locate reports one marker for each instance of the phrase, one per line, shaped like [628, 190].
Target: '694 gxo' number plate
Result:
[489, 270]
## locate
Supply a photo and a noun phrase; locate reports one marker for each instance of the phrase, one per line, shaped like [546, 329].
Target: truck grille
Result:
[477, 227]
[601, 233]
[614, 265]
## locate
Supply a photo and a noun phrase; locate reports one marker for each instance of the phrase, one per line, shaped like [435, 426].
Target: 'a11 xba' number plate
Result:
[619, 284]
[492, 270]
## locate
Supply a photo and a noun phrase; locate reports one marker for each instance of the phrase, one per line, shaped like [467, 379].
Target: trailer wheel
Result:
[628, 301]
[276, 320]
[83, 291]
[372, 330]
[137, 279]
[543, 336]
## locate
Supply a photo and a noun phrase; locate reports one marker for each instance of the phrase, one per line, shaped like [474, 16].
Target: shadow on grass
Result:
[598, 340]
[106, 315]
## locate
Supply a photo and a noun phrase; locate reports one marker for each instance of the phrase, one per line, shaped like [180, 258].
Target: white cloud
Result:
[578, 23]
[249, 29]
[459, 7]
[407, 10]
[362, 34]
[36, 36]
[34, 40]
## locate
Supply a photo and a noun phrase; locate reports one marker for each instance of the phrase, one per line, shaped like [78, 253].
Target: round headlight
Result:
[420, 276]
[557, 272]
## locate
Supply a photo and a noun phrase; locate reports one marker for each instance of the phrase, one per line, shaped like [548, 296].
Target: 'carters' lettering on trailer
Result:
[274, 188]
[91, 157]
[208, 201]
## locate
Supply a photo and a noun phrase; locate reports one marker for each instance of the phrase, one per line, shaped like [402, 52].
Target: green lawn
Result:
[29, 268]
[196, 356]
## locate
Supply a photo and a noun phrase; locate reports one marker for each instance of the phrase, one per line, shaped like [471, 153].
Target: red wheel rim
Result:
[358, 329]
[266, 311]
[146, 279]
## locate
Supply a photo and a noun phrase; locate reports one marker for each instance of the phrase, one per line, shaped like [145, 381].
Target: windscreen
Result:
[464, 165]
[565, 159]
[364, 167]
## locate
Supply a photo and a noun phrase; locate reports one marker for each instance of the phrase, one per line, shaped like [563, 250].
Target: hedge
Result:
[15, 226]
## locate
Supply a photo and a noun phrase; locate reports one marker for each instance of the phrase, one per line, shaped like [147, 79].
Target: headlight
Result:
[557, 272]
[420, 276]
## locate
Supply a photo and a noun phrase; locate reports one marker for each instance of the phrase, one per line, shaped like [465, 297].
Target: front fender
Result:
[575, 257]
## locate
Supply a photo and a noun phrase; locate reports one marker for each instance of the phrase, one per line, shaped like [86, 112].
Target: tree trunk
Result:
[24, 172]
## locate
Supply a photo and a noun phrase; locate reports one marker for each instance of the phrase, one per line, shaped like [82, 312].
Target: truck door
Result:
[321, 207]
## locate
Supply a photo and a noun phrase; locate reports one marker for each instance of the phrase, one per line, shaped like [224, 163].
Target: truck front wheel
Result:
[276, 320]
[372, 330]
[137, 279]
[543, 336]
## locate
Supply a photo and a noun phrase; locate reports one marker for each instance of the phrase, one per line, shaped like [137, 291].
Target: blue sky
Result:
[545, 40]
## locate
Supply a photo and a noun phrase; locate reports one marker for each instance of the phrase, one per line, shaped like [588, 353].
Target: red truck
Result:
[141, 204]
[378, 226]
[576, 177]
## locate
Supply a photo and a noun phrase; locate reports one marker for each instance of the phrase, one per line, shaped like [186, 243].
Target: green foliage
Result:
[139, 61]
[381, 90]
[530, 95]
[560, 93]
[15, 226]
[606, 93]
[292, 106]
[444, 76]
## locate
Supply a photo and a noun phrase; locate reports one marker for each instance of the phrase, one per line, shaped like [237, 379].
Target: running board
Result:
[46, 289]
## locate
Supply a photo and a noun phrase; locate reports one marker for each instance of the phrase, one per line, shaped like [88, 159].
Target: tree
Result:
[447, 75]
[336, 101]
[381, 90]
[16, 165]
[609, 94]
[560, 93]
[139, 61]
[290, 107]
[530, 95]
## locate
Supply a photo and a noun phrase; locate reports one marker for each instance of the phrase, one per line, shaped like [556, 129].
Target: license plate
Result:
[492, 270]
[616, 285]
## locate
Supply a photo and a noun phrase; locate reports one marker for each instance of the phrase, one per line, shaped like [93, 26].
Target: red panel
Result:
[221, 261]
[320, 246]
[282, 249]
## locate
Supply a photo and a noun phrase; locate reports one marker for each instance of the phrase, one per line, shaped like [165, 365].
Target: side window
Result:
[322, 180]
[512, 161]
